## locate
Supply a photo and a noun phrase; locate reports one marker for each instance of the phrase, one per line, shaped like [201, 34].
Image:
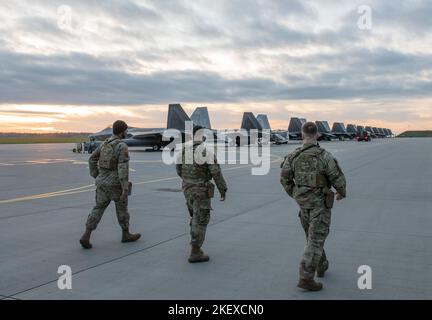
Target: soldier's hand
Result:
[338, 196]
[223, 197]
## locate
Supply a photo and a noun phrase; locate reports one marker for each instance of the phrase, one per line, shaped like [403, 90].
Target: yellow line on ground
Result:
[34, 162]
[49, 194]
[91, 187]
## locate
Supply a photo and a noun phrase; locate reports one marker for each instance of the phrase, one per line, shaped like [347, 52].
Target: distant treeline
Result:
[416, 134]
[29, 138]
[44, 135]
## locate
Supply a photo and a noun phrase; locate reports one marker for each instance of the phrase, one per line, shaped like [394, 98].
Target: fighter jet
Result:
[391, 133]
[244, 137]
[200, 117]
[107, 132]
[362, 134]
[371, 132]
[382, 132]
[388, 133]
[340, 131]
[277, 137]
[249, 122]
[352, 130]
[295, 127]
[150, 137]
[324, 131]
[377, 132]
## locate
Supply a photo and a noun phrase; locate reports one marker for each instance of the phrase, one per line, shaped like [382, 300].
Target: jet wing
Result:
[147, 139]
[146, 134]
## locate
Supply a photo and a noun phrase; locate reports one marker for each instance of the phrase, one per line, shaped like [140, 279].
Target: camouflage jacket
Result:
[112, 178]
[196, 175]
[328, 174]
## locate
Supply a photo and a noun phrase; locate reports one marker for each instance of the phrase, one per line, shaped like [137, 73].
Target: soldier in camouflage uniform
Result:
[308, 174]
[198, 191]
[109, 165]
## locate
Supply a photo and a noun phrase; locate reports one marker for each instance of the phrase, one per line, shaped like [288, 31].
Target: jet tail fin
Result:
[250, 122]
[351, 128]
[176, 117]
[296, 124]
[263, 121]
[200, 117]
[339, 127]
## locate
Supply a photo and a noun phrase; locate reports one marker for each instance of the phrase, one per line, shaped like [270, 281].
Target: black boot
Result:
[85, 239]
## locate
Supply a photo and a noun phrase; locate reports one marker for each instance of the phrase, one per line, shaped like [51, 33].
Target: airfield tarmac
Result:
[255, 240]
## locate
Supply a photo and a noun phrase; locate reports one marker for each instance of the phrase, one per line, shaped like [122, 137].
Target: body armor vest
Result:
[107, 159]
[307, 171]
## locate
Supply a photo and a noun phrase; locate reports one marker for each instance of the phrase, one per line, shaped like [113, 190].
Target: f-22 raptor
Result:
[150, 137]
[277, 137]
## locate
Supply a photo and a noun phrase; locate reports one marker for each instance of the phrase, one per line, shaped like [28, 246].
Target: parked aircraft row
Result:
[177, 117]
[339, 131]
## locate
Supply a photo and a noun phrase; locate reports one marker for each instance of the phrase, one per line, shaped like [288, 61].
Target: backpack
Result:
[107, 159]
[306, 170]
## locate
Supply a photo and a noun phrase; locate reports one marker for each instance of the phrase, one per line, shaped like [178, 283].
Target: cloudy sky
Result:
[78, 65]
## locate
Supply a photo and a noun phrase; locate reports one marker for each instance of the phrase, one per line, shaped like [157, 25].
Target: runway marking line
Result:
[40, 161]
[92, 187]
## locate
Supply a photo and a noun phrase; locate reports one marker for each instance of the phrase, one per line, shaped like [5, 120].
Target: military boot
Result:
[306, 281]
[85, 239]
[197, 255]
[322, 268]
[130, 237]
[309, 284]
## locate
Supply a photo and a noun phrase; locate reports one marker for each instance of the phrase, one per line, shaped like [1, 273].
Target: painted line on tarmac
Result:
[131, 161]
[89, 188]
[40, 161]
[173, 238]
[49, 194]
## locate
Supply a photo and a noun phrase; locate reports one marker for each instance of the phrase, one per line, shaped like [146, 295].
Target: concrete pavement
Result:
[255, 240]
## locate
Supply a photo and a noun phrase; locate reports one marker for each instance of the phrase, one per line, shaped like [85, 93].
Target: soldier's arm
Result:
[216, 173]
[123, 166]
[93, 163]
[287, 177]
[336, 176]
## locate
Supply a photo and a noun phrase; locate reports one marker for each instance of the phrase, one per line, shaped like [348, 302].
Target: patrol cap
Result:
[310, 128]
[119, 126]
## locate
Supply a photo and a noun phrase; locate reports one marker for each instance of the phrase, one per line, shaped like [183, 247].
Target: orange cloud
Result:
[396, 115]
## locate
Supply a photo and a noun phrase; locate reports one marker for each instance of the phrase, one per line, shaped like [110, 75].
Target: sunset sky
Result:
[79, 65]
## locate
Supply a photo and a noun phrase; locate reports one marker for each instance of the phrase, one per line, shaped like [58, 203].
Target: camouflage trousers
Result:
[104, 196]
[316, 224]
[199, 206]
